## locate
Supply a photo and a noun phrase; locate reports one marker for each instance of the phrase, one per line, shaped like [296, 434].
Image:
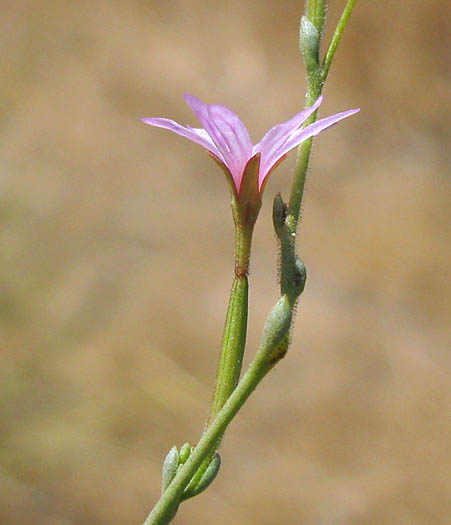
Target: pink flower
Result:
[227, 139]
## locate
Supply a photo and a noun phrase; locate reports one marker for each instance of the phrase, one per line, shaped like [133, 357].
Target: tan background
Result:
[116, 262]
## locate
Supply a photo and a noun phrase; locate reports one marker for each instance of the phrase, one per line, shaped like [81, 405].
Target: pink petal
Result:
[277, 135]
[200, 136]
[314, 129]
[227, 132]
[300, 135]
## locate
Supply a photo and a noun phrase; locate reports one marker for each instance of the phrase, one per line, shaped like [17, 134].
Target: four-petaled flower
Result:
[227, 139]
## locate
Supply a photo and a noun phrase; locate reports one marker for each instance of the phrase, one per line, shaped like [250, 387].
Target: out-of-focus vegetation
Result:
[116, 259]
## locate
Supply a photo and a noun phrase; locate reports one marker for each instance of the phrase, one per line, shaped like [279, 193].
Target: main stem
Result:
[300, 170]
[166, 507]
[338, 33]
[234, 336]
[316, 10]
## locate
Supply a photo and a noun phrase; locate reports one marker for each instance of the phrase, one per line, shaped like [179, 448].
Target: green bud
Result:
[185, 453]
[279, 212]
[280, 350]
[196, 486]
[278, 324]
[309, 43]
[299, 276]
[169, 470]
[309, 39]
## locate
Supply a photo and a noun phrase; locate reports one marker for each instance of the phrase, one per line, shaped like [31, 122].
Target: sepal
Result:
[249, 197]
[230, 180]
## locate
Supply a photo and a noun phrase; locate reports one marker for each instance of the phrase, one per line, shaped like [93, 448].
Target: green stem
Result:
[234, 336]
[338, 33]
[314, 90]
[300, 169]
[275, 331]
[316, 11]
[243, 241]
[297, 189]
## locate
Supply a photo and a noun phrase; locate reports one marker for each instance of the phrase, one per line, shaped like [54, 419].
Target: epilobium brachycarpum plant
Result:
[189, 470]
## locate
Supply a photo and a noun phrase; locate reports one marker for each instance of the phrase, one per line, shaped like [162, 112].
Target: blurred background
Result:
[116, 260]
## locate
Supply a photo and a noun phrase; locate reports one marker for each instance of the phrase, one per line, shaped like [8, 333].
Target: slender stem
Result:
[297, 189]
[204, 447]
[234, 336]
[243, 241]
[165, 508]
[313, 92]
[316, 11]
[300, 169]
[338, 33]
[311, 9]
